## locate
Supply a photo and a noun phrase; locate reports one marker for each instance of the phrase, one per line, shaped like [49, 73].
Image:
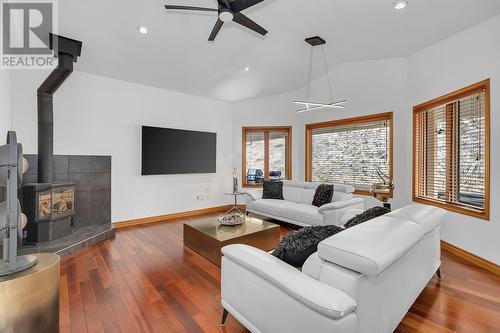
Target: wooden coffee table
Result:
[207, 237]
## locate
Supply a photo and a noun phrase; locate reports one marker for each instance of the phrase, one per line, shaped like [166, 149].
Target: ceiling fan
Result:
[229, 10]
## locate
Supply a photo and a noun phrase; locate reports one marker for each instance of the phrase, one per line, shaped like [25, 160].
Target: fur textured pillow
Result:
[366, 216]
[323, 195]
[272, 190]
[298, 245]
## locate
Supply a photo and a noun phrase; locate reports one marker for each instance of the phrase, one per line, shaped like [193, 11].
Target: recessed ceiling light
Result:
[246, 68]
[142, 29]
[400, 4]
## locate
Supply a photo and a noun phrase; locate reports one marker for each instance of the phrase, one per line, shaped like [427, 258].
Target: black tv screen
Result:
[168, 151]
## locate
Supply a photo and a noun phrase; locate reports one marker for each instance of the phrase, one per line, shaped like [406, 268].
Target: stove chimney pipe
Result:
[67, 50]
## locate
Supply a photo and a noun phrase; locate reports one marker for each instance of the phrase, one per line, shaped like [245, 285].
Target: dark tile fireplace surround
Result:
[84, 221]
[66, 198]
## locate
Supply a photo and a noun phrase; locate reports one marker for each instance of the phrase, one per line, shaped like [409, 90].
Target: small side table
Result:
[30, 298]
[235, 207]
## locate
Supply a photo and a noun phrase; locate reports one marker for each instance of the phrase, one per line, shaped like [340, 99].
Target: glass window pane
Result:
[278, 155]
[451, 150]
[254, 157]
[351, 154]
[471, 151]
[435, 155]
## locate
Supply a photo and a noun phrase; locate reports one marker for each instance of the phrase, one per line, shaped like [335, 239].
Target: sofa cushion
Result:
[338, 187]
[307, 196]
[303, 213]
[373, 246]
[292, 193]
[271, 206]
[319, 297]
[348, 189]
[313, 185]
[428, 217]
[340, 196]
[290, 183]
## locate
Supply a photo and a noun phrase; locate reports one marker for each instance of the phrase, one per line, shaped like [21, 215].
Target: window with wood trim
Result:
[355, 151]
[266, 154]
[451, 151]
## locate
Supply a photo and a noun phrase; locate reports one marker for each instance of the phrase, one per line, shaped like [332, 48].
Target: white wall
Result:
[464, 59]
[397, 85]
[269, 111]
[5, 104]
[97, 115]
[369, 87]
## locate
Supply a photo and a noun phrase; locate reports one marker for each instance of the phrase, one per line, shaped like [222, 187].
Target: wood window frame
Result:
[483, 86]
[266, 130]
[386, 116]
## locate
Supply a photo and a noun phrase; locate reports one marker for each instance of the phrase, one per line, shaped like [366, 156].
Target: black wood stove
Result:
[50, 209]
[50, 205]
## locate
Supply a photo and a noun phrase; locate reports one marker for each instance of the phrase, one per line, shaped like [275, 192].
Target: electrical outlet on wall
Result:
[205, 195]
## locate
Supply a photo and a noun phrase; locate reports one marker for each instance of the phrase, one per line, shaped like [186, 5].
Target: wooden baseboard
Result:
[173, 216]
[472, 258]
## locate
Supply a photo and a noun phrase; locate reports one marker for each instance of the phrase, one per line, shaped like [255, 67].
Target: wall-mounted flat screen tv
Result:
[168, 151]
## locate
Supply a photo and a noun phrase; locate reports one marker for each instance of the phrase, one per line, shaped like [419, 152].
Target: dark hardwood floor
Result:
[145, 280]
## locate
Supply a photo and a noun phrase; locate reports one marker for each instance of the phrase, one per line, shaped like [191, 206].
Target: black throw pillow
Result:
[297, 246]
[272, 190]
[323, 195]
[366, 216]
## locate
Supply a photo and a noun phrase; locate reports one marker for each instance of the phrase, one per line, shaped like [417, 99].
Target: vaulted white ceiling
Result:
[176, 55]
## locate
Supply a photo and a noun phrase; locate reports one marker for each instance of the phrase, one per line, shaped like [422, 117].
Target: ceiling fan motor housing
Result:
[226, 15]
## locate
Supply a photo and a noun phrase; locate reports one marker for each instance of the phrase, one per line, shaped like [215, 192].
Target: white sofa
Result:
[297, 208]
[362, 280]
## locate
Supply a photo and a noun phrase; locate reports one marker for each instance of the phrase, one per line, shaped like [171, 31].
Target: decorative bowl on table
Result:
[232, 219]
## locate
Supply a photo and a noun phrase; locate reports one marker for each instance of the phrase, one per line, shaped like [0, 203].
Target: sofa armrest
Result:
[321, 298]
[341, 204]
[255, 194]
[333, 212]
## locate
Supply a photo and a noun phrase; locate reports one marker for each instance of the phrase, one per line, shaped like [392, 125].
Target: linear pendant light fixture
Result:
[310, 105]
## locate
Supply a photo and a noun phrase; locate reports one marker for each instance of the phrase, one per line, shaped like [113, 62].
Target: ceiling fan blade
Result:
[225, 3]
[239, 5]
[215, 30]
[202, 9]
[248, 23]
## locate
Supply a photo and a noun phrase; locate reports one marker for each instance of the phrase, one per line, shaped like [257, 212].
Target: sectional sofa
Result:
[297, 208]
[361, 280]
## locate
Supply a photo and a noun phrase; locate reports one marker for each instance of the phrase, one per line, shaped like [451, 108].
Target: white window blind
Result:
[351, 154]
[450, 152]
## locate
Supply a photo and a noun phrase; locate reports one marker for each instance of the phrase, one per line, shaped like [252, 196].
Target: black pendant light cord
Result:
[307, 104]
[327, 73]
[309, 76]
